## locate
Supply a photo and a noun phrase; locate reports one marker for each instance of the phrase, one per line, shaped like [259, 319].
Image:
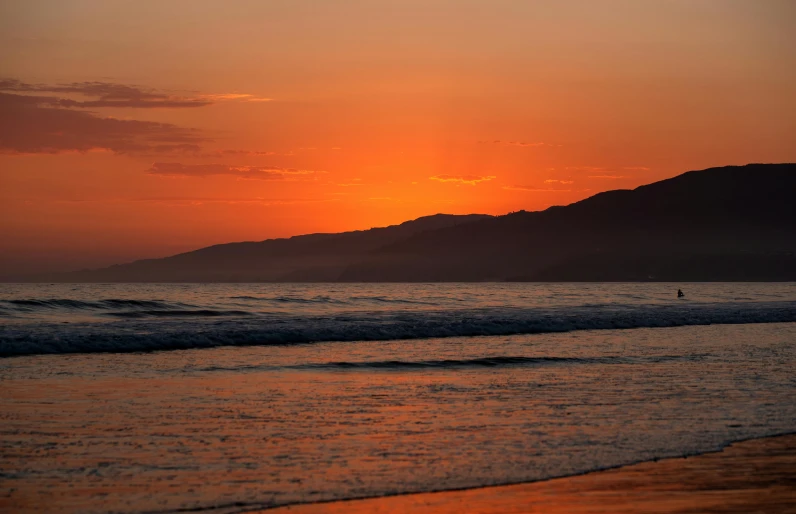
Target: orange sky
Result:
[141, 129]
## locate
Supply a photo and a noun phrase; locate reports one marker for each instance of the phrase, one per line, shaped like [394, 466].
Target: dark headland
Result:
[735, 223]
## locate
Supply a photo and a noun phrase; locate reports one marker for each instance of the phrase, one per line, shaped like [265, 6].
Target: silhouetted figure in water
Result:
[680, 293]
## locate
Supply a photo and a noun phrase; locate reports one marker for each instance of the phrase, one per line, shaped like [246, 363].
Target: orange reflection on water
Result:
[753, 476]
[273, 426]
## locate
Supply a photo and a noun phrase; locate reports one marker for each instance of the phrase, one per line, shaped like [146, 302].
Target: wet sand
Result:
[755, 476]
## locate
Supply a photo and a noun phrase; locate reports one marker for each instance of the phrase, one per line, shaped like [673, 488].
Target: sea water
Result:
[130, 398]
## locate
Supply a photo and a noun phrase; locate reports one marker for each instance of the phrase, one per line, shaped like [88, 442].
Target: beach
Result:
[260, 396]
[750, 476]
[398, 256]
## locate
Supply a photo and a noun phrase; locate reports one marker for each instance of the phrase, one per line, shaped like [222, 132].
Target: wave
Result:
[179, 313]
[492, 362]
[66, 303]
[480, 362]
[288, 299]
[172, 333]
[330, 300]
[385, 299]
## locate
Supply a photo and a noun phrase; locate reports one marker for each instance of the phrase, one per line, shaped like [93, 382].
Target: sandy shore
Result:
[756, 476]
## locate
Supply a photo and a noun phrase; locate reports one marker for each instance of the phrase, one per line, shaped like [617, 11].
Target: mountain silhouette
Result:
[307, 258]
[730, 223]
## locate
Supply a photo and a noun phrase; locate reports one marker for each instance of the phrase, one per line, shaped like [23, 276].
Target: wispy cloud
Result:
[607, 177]
[35, 124]
[245, 153]
[470, 180]
[104, 94]
[535, 189]
[243, 97]
[534, 144]
[176, 169]
[555, 181]
[592, 169]
[108, 94]
[53, 118]
[604, 170]
[522, 144]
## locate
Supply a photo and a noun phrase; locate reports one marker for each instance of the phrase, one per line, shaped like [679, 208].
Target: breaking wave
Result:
[178, 313]
[442, 364]
[145, 331]
[329, 300]
[492, 362]
[65, 303]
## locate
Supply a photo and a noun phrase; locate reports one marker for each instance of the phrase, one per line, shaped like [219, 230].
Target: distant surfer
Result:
[680, 293]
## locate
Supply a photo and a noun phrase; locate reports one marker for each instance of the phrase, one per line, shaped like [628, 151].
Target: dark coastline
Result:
[735, 223]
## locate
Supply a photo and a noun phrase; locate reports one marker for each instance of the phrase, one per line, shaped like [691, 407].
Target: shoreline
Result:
[748, 475]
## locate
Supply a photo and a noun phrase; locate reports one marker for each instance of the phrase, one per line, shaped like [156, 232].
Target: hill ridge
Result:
[727, 223]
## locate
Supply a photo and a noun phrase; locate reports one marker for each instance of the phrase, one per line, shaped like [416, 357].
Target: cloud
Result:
[354, 182]
[607, 177]
[36, 118]
[592, 169]
[535, 189]
[317, 148]
[41, 124]
[470, 180]
[554, 181]
[235, 96]
[519, 143]
[248, 153]
[104, 94]
[107, 94]
[607, 171]
[176, 169]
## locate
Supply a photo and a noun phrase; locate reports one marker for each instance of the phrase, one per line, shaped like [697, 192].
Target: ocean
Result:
[233, 397]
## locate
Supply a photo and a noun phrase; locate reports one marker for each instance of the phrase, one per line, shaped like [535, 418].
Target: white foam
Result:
[137, 335]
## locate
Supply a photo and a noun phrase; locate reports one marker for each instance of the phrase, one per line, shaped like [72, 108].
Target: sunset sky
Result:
[132, 129]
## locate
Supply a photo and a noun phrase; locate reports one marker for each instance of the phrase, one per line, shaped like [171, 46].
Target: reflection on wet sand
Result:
[751, 476]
